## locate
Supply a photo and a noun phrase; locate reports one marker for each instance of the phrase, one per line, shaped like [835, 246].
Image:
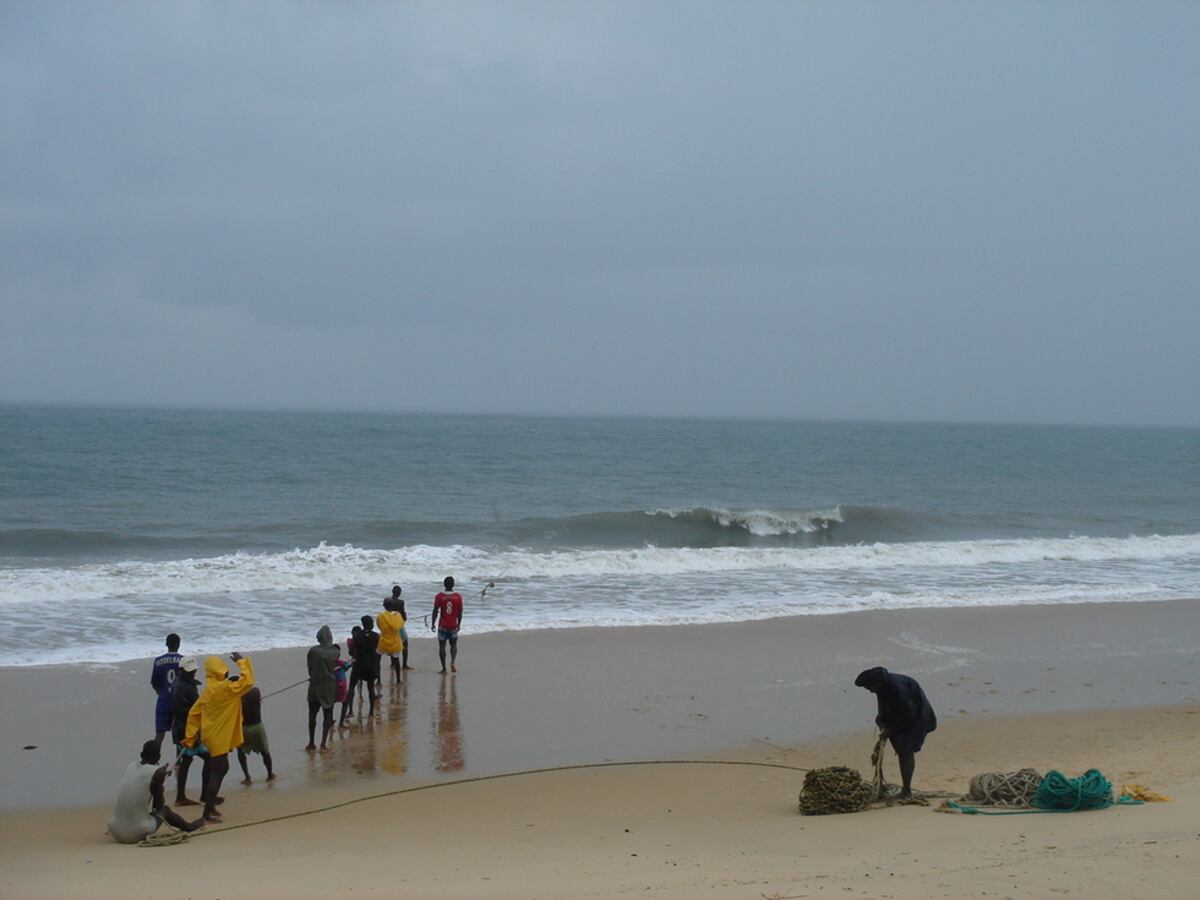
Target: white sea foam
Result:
[119, 611]
[509, 608]
[326, 568]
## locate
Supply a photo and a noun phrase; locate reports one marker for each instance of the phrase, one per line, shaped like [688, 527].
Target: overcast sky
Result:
[954, 211]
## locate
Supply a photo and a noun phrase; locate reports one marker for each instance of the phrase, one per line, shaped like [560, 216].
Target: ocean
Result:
[247, 530]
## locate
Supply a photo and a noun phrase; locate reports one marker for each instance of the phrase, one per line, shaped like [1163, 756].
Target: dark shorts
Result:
[368, 674]
[313, 706]
[163, 718]
[448, 635]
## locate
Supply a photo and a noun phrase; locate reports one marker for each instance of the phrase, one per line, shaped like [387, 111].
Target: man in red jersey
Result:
[448, 604]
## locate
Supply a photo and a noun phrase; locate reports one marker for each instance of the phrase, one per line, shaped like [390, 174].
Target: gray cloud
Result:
[968, 211]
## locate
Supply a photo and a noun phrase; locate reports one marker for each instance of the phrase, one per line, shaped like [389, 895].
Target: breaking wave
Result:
[696, 526]
[332, 567]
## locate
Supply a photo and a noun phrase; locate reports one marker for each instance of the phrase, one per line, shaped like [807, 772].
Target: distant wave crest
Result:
[761, 522]
[695, 526]
[716, 526]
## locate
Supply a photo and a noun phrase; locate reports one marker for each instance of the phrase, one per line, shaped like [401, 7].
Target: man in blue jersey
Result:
[162, 677]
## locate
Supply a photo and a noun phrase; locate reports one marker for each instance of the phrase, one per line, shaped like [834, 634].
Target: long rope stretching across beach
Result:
[461, 781]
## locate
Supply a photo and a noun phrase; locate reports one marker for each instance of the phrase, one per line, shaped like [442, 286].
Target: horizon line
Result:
[527, 414]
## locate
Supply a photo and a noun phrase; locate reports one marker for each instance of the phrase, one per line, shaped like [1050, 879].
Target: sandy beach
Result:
[683, 362]
[1111, 686]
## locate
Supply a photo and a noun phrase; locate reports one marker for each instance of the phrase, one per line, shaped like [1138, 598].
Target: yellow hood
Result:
[215, 669]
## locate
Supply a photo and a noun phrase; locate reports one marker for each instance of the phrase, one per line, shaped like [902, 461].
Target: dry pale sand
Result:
[1072, 687]
[682, 831]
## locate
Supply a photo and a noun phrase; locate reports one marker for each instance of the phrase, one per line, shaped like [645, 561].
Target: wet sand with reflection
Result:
[524, 701]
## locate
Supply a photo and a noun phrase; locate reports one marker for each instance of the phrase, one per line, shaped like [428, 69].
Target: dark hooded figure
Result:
[322, 687]
[904, 718]
[185, 691]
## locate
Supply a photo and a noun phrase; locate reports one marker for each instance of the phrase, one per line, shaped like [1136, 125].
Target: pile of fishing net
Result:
[1029, 791]
[834, 789]
[838, 789]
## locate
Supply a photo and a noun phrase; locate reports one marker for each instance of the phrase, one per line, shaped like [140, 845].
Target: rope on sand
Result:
[1004, 789]
[1056, 793]
[164, 837]
[478, 778]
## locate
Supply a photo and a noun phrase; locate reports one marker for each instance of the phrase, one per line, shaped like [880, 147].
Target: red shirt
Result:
[449, 609]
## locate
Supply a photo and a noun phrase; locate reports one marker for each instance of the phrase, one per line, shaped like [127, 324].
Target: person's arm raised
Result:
[246, 681]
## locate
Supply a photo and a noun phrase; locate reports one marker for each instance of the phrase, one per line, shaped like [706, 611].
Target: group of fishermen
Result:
[333, 680]
[227, 714]
[208, 723]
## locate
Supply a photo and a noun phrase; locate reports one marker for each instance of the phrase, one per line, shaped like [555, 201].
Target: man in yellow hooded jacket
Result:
[390, 623]
[216, 719]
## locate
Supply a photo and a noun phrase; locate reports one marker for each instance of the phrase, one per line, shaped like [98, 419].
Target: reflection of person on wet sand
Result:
[395, 732]
[449, 729]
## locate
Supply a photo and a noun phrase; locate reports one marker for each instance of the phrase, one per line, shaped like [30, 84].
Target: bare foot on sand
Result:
[247, 781]
[186, 801]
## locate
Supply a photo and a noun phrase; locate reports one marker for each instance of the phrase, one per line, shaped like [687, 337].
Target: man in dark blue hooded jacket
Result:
[904, 718]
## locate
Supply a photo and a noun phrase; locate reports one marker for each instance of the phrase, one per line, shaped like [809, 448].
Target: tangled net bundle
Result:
[1008, 789]
[838, 789]
[835, 789]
